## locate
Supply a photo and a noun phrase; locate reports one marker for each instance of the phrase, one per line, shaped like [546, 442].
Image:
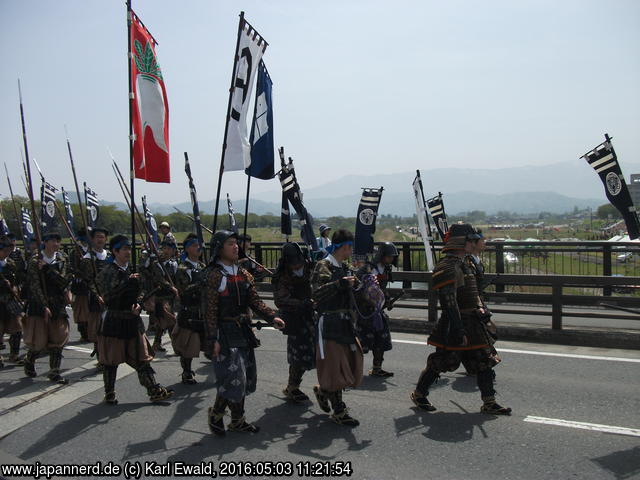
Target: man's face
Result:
[123, 255]
[345, 251]
[99, 240]
[52, 245]
[12, 242]
[480, 245]
[469, 246]
[388, 260]
[193, 250]
[4, 252]
[164, 230]
[167, 251]
[230, 250]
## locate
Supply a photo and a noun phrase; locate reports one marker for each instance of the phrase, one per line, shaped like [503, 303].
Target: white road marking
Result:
[78, 349]
[633, 432]
[546, 354]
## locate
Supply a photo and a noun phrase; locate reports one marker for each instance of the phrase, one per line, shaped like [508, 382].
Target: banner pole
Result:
[226, 123]
[131, 163]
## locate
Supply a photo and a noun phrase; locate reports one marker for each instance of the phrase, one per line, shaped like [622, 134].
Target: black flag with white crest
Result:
[604, 161]
[67, 209]
[93, 206]
[291, 190]
[436, 208]
[233, 225]
[28, 231]
[366, 222]
[150, 220]
[48, 211]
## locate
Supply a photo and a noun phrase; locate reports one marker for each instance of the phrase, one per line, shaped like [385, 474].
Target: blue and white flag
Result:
[366, 222]
[262, 149]
[67, 209]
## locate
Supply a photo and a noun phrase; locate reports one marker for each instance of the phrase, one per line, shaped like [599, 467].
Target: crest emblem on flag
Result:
[51, 209]
[150, 107]
[367, 216]
[614, 185]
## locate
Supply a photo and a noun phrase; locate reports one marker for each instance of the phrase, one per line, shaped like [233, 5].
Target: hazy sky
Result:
[359, 86]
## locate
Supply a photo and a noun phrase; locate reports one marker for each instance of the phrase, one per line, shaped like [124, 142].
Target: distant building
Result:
[634, 189]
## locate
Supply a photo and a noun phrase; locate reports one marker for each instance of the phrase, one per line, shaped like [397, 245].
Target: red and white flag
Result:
[150, 108]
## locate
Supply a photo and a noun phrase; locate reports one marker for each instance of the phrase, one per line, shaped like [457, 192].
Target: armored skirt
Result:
[161, 309]
[82, 313]
[132, 351]
[39, 333]
[374, 335]
[9, 321]
[186, 342]
[339, 359]
[236, 373]
[301, 340]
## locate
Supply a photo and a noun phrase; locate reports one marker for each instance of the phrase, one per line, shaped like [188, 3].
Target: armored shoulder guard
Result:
[448, 271]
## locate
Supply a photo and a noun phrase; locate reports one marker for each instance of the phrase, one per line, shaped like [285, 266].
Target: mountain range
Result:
[555, 188]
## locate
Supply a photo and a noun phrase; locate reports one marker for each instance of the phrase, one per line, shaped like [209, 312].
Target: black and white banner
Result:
[48, 211]
[93, 206]
[67, 209]
[152, 226]
[233, 225]
[251, 47]
[292, 194]
[366, 222]
[27, 227]
[436, 209]
[604, 161]
[421, 212]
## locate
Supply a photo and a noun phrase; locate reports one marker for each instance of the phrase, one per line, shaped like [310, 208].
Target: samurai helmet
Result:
[217, 241]
[292, 254]
[386, 249]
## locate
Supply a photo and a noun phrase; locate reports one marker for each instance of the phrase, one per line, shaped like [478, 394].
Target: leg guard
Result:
[293, 392]
[216, 414]
[156, 392]
[485, 383]
[188, 376]
[82, 328]
[378, 358]
[55, 360]
[238, 422]
[340, 411]
[14, 347]
[157, 340]
[427, 378]
[30, 363]
[109, 373]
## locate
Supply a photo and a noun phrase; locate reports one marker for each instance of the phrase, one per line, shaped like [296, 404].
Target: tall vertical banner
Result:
[194, 200]
[251, 47]
[233, 225]
[291, 192]
[93, 206]
[366, 222]
[4, 226]
[423, 221]
[150, 220]
[436, 208]
[604, 161]
[48, 207]
[262, 149]
[150, 108]
[67, 209]
[27, 227]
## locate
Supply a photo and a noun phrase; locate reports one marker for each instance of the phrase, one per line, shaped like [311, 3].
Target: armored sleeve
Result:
[322, 285]
[447, 278]
[211, 308]
[255, 302]
[282, 294]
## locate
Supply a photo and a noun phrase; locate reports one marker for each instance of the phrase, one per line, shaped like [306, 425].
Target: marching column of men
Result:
[330, 314]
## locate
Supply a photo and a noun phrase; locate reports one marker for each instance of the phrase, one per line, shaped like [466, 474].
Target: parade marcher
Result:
[18, 258]
[165, 229]
[159, 280]
[188, 335]
[474, 262]
[257, 272]
[46, 325]
[460, 332]
[79, 285]
[338, 354]
[373, 322]
[92, 263]
[292, 296]
[230, 293]
[120, 336]
[323, 240]
[10, 306]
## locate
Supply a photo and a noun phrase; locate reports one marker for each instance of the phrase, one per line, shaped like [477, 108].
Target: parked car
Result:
[510, 257]
[624, 257]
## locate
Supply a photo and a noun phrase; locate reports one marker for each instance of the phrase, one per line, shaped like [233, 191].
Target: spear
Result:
[15, 207]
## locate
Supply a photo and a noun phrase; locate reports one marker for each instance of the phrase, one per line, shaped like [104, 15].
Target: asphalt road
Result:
[545, 385]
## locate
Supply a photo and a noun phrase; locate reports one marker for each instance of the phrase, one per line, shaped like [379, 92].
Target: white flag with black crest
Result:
[251, 46]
